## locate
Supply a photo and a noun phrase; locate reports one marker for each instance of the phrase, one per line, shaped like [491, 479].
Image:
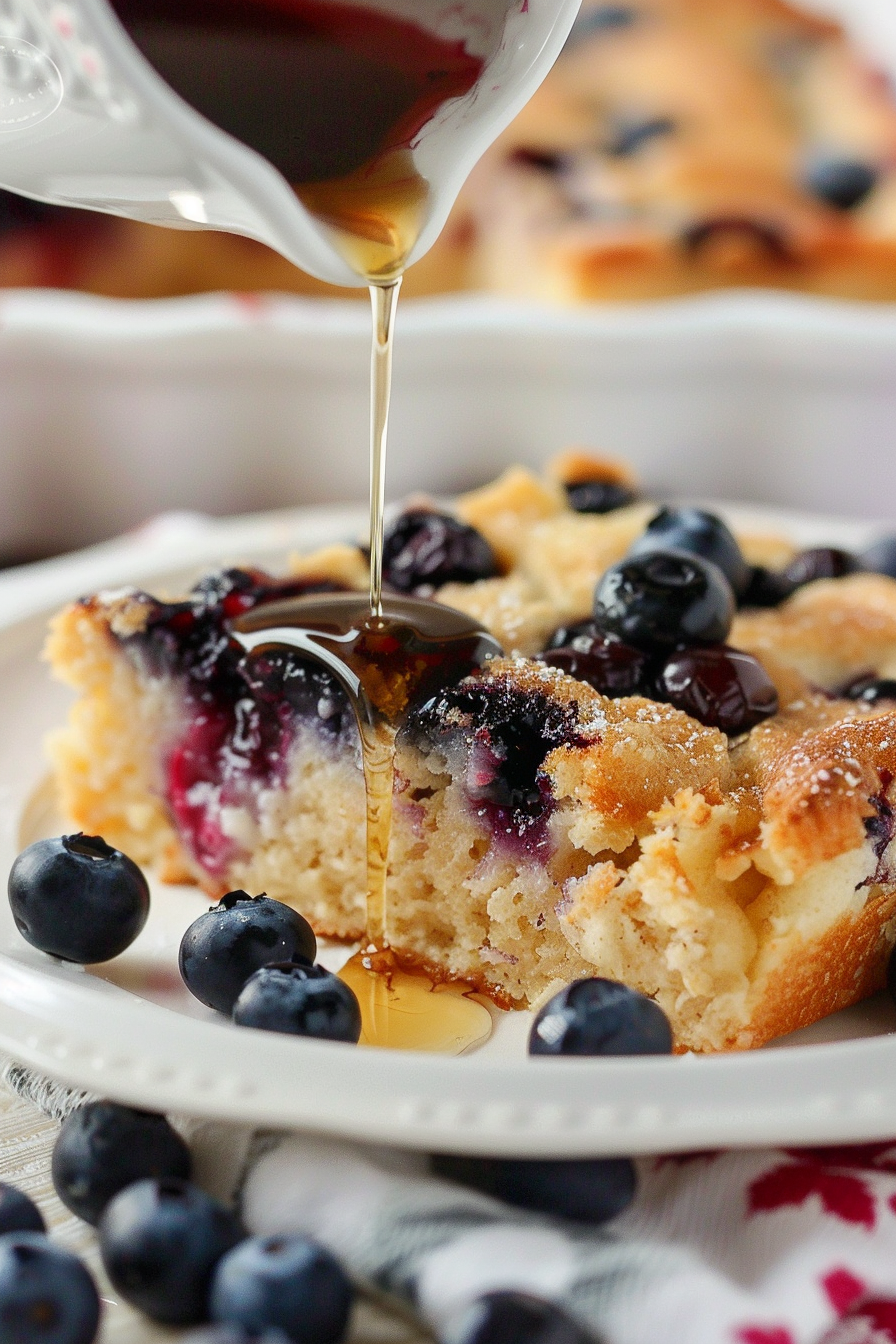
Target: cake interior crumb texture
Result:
[746, 883]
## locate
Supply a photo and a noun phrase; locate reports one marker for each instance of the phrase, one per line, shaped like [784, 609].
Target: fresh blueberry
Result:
[821, 562]
[599, 496]
[287, 1283]
[160, 1242]
[881, 557]
[698, 533]
[300, 999]
[600, 1017]
[102, 1147]
[871, 690]
[78, 898]
[602, 660]
[665, 598]
[46, 1294]
[17, 1212]
[513, 1318]
[767, 588]
[223, 947]
[422, 548]
[839, 180]
[723, 688]
[587, 1190]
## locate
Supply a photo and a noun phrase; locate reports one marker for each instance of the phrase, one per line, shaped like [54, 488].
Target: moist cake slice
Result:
[732, 857]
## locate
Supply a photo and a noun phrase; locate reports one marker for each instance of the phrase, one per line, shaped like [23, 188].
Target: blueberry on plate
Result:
[698, 533]
[423, 548]
[587, 1190]
[723, 688]
[78, 898]
[300, 999]
[881, 557]
[819, 562]
[600, 1017]
[664, 598]
[602, 660]
[512, 1318]
[840, 180]
[223, 947]
[871, 690]
[287, 1283]
[102, 1147]
[46, 1294]
[160, 1242]
[17, 1212]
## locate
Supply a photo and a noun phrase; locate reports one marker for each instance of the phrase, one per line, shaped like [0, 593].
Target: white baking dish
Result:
[111, 411]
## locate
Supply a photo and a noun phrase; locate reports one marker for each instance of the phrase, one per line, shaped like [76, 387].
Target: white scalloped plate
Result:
[130, 1031]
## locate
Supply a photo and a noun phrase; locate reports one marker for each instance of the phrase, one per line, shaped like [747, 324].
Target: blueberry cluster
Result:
[661, 618]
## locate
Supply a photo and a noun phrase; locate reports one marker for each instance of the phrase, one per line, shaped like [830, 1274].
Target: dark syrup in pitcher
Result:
[332, 95]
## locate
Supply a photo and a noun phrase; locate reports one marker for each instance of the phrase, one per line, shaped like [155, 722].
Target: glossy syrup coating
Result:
[103, 1147]
[78, 898]
[722, 687]
[160, 1243]
[229, 943]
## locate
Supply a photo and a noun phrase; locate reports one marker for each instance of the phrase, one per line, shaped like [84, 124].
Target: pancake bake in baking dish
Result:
[679, 775]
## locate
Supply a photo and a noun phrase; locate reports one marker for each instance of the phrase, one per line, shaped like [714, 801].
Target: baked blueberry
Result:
[17, 1212]
[871, 690]
[600, 1017]
[78, 898]
[723, 688]
[102, 1147]
[287, 1283]
[602, 660]
[599, 496]
[819, 562]
[513, 1318]
[840, 180]
[699, 533]
[767, 588]
[589, 1190]
[664, 598]
[160, 1243]
[46, 1294]
[881, 557]
[300, 999]
[230, 942]
[423, 548]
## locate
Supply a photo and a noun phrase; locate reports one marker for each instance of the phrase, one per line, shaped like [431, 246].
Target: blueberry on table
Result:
[160, 1242]
[586, 1190]
[840, 180]
[17, 1212]
[102, 1147]
[698, 533]
[222, 948]
[723, 688]
[664, 598]
[513, 1318]
[299, 999]
[78, 898]
[881, 557]
[600, 1017]
[819, 562]
[287, 1283]
[46, 1294]
[423, 548]
[602, 660]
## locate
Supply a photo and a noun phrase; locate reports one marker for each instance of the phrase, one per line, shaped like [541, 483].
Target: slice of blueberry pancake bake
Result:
[680, 775]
